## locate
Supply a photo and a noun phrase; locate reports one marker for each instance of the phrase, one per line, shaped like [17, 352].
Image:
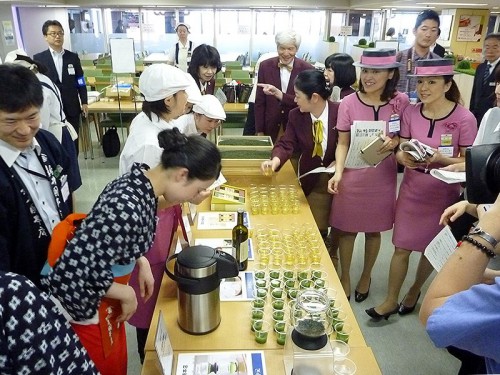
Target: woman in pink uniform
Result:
[440, 122]
[365, 199]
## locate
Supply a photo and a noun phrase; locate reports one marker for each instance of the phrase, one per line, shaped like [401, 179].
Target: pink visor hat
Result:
[373, 58]
[433, 67]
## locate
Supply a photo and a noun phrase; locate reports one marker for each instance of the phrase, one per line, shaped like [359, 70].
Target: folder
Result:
[370, 153]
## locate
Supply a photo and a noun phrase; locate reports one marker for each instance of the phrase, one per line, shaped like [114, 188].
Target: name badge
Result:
[446, 151]
[394, 124]
[446, 140]
[71, 70]
[492, 84]
[64, 190]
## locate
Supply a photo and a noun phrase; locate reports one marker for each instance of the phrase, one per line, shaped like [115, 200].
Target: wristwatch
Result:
[477, 231]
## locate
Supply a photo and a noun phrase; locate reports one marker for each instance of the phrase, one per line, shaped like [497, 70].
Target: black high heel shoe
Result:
[376, 316]
[405, 310]
[360, 297]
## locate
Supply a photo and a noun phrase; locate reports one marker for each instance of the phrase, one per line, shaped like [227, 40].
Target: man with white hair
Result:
[275, 95]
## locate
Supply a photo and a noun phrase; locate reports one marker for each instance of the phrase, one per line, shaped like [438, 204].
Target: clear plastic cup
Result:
[261, 330]
[344, 366]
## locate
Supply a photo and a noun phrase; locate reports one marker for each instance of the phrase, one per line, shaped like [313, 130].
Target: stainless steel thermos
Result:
[198, 271]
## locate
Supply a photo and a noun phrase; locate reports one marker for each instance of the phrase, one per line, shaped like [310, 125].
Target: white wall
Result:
[30, 24]
[6, 15]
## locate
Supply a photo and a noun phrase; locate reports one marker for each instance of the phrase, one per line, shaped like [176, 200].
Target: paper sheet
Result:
[440, 248]
[240, 288]
[447, 176]
[235, 362]
[220, 220]
[320, 170]
[362, 133]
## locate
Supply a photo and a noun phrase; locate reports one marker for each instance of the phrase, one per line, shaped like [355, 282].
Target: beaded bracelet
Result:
[489, 253]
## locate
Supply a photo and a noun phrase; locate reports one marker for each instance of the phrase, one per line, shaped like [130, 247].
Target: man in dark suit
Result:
[438, 49]
[65, 70]
[36, 177]
[275, 95]
[483, 90]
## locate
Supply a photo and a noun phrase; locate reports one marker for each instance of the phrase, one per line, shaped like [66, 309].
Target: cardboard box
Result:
[236, 149]
[228, 198]
[126, 91]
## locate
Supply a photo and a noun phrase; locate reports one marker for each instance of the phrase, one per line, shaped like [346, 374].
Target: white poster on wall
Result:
[122, 55]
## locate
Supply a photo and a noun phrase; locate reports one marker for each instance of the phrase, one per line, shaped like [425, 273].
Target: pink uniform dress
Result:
[423, 198]
[367, 197]
[168, 220]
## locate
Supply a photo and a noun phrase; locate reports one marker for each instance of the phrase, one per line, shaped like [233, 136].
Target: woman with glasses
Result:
[204, 65]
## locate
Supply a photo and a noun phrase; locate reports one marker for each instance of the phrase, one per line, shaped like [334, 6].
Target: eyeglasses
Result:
[54, 34]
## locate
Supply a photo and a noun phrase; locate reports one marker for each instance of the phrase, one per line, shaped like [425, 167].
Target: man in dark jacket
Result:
[65, 70]
[35, 182]
[483, 90]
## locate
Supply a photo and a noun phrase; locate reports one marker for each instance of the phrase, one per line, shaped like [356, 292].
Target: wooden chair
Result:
[239, 74]
[232, 64]
[87, 62]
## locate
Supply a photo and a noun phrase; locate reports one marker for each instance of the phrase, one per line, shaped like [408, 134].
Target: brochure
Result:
[417, 149]
[320, 170]
[440, 248]
[212, 363]
[362, 133]
[220, 180]
[163, 347]
[239, 288]
[220, 220]
[447, 176]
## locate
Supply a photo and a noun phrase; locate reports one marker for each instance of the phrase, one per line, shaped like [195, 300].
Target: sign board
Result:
[122, 55]
[163, 346]
[345, 30]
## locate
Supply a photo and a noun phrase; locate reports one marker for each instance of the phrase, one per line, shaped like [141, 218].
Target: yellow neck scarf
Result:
[317, 130]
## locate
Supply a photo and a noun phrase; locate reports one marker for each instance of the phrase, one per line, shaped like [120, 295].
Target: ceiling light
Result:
[396, 7]
[457, 4]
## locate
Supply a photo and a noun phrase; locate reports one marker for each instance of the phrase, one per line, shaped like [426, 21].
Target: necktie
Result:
[486, 75]
[22, 160]
[317, 130]
[286, 66]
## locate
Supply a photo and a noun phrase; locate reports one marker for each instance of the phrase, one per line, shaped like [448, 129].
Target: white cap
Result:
[211, 107]
[12, 55]
[159, 81]
[20, 57]
[182, 24]
[193, 91]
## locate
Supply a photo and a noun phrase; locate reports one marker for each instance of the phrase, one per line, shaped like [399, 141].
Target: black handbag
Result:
[231, 92]
[244, 91]
[111, 143]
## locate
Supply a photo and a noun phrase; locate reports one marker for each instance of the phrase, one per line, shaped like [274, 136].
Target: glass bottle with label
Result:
[240, 242]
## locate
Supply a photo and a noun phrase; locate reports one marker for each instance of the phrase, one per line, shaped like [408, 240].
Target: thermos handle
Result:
[183, 280]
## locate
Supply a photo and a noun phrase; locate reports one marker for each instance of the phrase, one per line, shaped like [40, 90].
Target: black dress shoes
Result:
[405, 310]
[360, 297]
[376, 316]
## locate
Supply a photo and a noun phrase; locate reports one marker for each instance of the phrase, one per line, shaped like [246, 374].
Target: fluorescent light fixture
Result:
[372, 9]
[58, 6]
[457, 4]
[395, 7]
